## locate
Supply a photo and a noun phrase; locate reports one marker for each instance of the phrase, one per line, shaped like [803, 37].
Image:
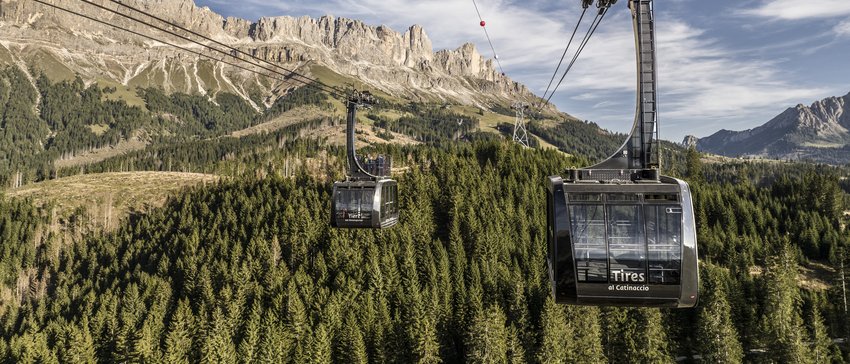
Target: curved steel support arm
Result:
[356, 100]
[641, 149]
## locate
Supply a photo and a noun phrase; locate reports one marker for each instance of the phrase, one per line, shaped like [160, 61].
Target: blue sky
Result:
[723, 64]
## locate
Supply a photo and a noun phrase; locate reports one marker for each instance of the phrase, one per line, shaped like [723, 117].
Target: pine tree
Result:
[822, 344]
[651, 343]
[218, 346]
[487, 340]
[153, 326]
[635, 335]
[716, 337]
[247, 349]
[178, 340]
[693, 166]
[274, 346]
[616, 328]
[78, 346]
[319, 346]
[585, 335]
[555, 345]
[516, 350]
[427, 349]
[128, 335]
[296, 323]
[781, 326]
[350, 347]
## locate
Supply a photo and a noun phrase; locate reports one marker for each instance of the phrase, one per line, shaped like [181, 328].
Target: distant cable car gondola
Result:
[619, 233]
[367, 198]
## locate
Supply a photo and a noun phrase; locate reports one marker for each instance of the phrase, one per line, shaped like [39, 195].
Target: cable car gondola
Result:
[619, 233]
[367, 198]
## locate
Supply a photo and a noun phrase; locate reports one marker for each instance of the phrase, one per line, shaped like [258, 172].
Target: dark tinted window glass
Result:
[623, 197]
[367, 198]
[588, 237]
[388, 201]
[664, 234]
[662, 197]
[395, 200]
[341, 200]
[353, 206]
[354, 203]
[579, 197]
[626, 247]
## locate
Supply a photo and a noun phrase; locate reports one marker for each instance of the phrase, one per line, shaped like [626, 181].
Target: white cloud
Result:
[704, 85]
[842, 29]
[796, 9]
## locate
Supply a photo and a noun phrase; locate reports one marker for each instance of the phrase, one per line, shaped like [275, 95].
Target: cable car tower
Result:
[367, 198]
[520, 132]
[619, 233]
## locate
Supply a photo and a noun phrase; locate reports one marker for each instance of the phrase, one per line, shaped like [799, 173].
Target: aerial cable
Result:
[564, 54]
[588, 35]
[55, 7]
[230, 54]
[221, 44]
[484, 26]
[590, 31]
[199, 54]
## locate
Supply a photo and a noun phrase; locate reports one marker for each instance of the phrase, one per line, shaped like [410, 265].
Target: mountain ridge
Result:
[400, 64]
[820, 133]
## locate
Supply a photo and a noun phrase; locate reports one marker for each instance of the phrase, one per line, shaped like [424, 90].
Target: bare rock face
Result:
[690, 141]
[402, 64]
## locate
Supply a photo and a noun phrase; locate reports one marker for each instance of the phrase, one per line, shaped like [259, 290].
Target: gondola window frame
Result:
[580, 205]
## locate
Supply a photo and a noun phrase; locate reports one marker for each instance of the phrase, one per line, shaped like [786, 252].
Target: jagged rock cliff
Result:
[820, 132]
[690, 141]
[401, 64]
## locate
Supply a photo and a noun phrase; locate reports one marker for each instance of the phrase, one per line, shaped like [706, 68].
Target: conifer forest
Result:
[248, 270]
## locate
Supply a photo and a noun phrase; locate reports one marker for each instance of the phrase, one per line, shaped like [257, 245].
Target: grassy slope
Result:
[110, 196]
[102, 154]
[288, 118]
[126, 93]
[331, 78]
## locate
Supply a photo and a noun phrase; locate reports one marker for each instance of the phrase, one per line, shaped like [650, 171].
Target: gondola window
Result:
[588, 222]
[627, 250]
[664, 234]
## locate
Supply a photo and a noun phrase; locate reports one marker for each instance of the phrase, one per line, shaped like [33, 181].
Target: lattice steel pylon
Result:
[520, 133]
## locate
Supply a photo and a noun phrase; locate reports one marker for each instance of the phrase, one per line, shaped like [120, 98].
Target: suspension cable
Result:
[333, 92]
[590, 31]
[563, 55]
[239, 51]
[199, 54]
[226, 53]
[484, 26]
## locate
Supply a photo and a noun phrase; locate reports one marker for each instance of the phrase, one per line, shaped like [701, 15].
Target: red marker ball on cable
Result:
[483, 23]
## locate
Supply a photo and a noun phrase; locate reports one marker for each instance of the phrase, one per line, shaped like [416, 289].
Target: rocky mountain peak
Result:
[820, 132]
[402, 64]
[690, 141]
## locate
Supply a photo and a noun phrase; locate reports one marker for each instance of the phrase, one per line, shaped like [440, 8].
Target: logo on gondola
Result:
[627, 277]
[624, 287]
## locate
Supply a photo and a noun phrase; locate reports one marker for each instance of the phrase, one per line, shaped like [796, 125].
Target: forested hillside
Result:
[43, 122]
[249, 269]
[45, 127]
[579, 138]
